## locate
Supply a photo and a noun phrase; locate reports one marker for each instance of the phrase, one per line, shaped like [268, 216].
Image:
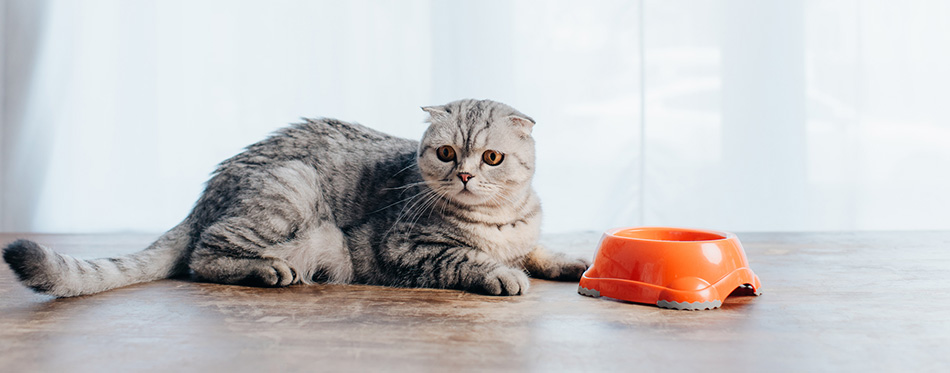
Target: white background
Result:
[732, 115]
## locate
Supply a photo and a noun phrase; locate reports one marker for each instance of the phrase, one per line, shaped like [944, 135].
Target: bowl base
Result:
[689, 306]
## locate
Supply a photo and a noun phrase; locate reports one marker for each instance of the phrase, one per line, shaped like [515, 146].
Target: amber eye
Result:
[492, 157]
[446, 153]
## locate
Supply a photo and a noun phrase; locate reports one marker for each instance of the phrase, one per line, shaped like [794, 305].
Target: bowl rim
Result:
[725, 235]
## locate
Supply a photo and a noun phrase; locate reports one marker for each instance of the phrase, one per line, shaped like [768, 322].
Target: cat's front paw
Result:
[563, 269]
[274, 273]
[571, 270]
[503, 281]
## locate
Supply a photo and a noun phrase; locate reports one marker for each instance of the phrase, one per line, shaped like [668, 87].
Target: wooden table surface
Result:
[831, 302]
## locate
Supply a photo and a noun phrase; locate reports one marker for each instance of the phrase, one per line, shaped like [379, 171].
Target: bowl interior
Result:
[669, 234]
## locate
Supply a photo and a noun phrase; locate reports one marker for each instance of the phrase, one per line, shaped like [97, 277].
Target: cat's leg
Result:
[319, 254]
[446, 266]
[542, 263]
[245, 271]
[475, 271]
[233, 251]
[280, 232]
[231, 254]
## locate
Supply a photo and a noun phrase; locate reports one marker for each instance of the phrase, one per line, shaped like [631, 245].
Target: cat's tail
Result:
[47, 271]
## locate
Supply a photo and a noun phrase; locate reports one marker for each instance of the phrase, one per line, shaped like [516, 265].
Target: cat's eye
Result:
[445, 153]
[493, 158]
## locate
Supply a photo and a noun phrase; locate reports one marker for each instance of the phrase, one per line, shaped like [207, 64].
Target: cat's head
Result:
[477, 152]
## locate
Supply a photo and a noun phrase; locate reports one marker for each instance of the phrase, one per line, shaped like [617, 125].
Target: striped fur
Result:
[329, 201]
[46, 271]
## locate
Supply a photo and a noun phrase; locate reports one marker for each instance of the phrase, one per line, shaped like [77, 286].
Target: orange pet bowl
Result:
[685, 269]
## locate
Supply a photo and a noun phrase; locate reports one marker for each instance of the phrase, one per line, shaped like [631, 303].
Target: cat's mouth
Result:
[468, 196]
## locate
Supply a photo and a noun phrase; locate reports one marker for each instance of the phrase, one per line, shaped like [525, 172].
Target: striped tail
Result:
[47, 271]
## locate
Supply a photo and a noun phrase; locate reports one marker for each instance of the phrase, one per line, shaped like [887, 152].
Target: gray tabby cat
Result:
[331, 202]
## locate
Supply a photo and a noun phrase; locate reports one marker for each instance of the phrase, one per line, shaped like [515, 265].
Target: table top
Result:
[876, 301]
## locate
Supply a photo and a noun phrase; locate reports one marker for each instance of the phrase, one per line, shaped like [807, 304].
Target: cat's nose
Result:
[465, 176]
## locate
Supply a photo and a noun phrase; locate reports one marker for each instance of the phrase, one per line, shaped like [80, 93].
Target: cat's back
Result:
[346, 135]
[346, 162]
[325, 140]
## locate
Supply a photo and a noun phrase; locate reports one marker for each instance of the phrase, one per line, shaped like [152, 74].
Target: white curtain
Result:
[775, 115]
[797, 115]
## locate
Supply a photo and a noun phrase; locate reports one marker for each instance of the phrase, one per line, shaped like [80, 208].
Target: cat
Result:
[325, 201]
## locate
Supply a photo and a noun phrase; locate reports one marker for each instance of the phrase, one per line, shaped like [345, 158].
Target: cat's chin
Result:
[467, 197]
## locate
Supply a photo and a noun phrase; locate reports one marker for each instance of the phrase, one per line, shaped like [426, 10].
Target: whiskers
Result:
[497, 196]
[420, 204]
[435, 198]
[403, 187]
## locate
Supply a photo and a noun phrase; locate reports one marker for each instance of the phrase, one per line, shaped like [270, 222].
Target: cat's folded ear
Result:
[435, 112]
[523, 123]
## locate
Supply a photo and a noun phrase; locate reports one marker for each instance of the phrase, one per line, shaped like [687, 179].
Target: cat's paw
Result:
[563, 269]
[571, 270]
[503, 281]
[276, 273]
